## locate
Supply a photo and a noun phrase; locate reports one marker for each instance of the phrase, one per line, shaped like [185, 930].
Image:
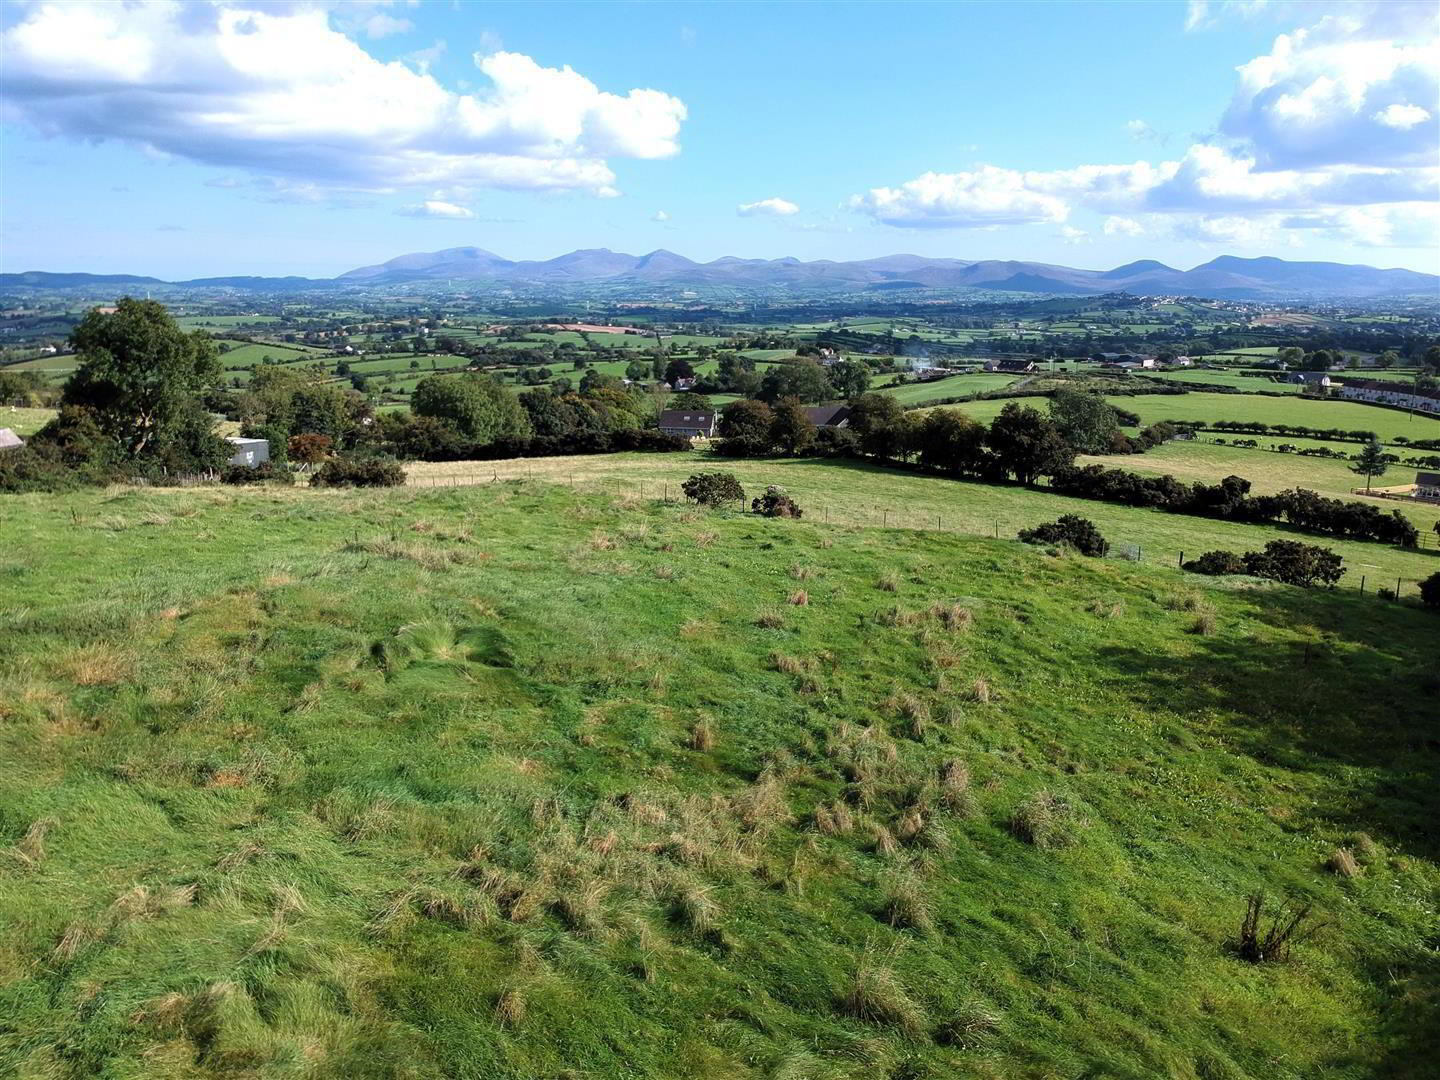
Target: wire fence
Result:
[1366, 580]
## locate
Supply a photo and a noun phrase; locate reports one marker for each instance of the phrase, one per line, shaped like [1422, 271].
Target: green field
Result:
[24, 421]
[954, 386]
[248, 354]
[856, 493]
[515, 782]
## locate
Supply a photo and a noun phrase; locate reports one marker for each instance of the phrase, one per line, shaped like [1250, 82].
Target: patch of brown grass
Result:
[770, 619]
[800, 598]
[97, 664]
[876, 995]
[1342, 861]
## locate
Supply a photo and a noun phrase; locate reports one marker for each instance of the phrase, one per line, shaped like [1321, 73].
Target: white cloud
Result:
[282, 93]
[660, 215]
[436, 208]
[1139, 129]
[1122, 226]
[1071, 235]
[1401, 116]
[381, 25]
[768, 207]
[986, 197]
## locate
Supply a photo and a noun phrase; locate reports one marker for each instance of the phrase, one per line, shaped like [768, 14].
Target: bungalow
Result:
[1380, 392]
[829, 416]
[9, 440]
[251, 452]
[1427, 486]
[1011, 367]
[1309, 379]
[689, 425]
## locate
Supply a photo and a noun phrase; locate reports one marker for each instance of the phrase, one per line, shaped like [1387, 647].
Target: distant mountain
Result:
[1227, 277]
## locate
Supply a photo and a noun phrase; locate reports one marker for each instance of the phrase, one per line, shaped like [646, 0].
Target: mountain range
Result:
[1227, 277]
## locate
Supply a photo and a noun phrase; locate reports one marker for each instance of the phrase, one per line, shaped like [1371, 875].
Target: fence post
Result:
[1397, 590]
[884, 519]
[1362, 584]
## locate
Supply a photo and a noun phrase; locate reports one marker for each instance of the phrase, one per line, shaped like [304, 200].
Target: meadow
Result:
[25, 422]
[518, 782]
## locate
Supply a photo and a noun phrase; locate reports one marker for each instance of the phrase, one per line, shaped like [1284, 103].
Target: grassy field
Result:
[955, 385]
[25, 421]
[855, 493]
[515, 782]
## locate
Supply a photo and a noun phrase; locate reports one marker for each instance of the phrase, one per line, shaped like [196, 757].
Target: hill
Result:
[518, 781]
[1224, 277]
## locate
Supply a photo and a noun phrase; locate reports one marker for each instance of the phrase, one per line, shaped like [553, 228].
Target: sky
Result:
[194, 139]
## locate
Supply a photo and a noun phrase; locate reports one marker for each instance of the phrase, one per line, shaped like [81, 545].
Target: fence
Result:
[1366, 580]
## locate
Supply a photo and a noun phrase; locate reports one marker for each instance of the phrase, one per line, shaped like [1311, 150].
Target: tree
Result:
[791, 429]
[307, 450]
[1077, 532]
[875, 419]
[804, 381]
[477, 406]
[142, 378]
[713, 489]
[1084, 420]
[688, 399]
[850, 378]
[1294, 563]
[637, 370]
[951, 442]
[678, 369]
[1430, 591]
[1027, 443]
[746, 419]
[1371, 461]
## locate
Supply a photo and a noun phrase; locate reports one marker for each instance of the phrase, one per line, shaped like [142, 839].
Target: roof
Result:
[1309, 376]
[828, 415]
[9, 440]
[1427, 479]
[1391, 388]
[235, 440]
[1013, 365]
[686, 418]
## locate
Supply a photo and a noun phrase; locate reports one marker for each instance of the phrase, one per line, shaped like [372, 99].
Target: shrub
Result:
[775, 503]
[1287, 926]
[1430, 591]
[358, 472]
[1045, 820]
[1077, 532]
[713, 489]
[1294, 563]
[1217, 563]
[253, 474]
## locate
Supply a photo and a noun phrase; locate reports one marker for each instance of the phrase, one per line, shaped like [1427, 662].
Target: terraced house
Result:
[1391, 393]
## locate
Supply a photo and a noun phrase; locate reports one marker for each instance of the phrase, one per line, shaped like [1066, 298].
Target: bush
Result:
[1430, 591]
[254, 474]
[358, 472]
[1077, 532]
[742, 446]
[713, 489]
[1294, 563]
[1217, 563]
[775, 503]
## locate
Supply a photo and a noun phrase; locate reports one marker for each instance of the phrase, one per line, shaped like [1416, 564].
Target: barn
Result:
[250, 452]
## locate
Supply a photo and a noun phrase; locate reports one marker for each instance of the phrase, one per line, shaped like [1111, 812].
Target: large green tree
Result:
[1085, 421]
[1027, 443]
[477, 406]
[142, 378]
[850, 378]
[802, 380]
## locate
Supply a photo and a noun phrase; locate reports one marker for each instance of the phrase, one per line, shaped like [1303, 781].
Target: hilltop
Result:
[524, 781]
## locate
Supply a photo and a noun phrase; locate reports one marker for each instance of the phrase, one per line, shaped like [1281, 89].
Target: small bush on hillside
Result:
[358, 472]
[1079, 533]
[253, 474]
[1294, 563]
[775, 503]
[713, 489]
[1217, 563]
[1430, 591]
[742, 446]
[1287, 926]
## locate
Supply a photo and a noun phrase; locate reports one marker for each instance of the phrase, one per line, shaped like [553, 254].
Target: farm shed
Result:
[9, 440]
[1427, 486]
[250, 452]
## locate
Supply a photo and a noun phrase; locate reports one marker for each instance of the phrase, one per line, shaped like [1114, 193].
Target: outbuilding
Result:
[250, 452]
[9, 440]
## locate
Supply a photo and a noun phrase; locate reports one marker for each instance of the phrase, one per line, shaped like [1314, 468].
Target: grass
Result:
[426, 783]
[25, 422]
[953, 386]
[855, 493]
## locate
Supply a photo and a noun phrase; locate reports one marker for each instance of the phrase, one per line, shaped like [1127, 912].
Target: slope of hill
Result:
[523, 782]
[1225, 277]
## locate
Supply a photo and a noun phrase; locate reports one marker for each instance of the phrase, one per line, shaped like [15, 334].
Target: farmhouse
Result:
[689, 425]
[9, 440]
[1427, 486]
[831, 416]
[1309, 378]
[1378, 392]
[250, 452]
[1011, 367]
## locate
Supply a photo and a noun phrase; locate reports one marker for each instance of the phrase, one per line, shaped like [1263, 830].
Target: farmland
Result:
[388, 795]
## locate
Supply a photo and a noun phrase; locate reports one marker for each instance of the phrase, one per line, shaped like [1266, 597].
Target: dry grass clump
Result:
[427, 556]
[1045, 820]
[635, 531]
[601, 541]
[582, 906]
[97, 664]
[1364, 846]
[898, 616]
[971, 1027]
[29, 850]
[705, 539]
[875, 995]
[770, 619]
[883, 842]
[980, 692]
[1186, 600]
[694, 906]
[1204, 624]
[789, 665]
[665, 573]
[834, 819]
[888, 582]
[804, 573]
[1342, 861]
[955, 792]
[1106, 609]
[510, 1007]
[907, 903]
[954, 617]
[702, 737]
[800, 598]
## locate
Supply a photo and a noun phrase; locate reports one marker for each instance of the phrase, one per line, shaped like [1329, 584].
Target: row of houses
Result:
[703, 424]
[1379, 392]
[250, 452]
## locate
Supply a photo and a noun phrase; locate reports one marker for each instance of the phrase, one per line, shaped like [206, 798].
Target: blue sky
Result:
[192, 139]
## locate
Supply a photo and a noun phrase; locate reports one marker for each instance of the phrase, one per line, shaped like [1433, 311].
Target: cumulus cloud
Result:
[283, 93]
[1071, 235]
[1327, 123]
[660, 215]
[767, 207]
[436, 208]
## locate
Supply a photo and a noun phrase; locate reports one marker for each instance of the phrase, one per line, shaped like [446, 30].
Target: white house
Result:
[250, 452]
[1309, 378]
[1427, 486]
[1380, 392]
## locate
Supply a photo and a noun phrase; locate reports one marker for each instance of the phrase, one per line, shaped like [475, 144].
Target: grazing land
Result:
[366, 784]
